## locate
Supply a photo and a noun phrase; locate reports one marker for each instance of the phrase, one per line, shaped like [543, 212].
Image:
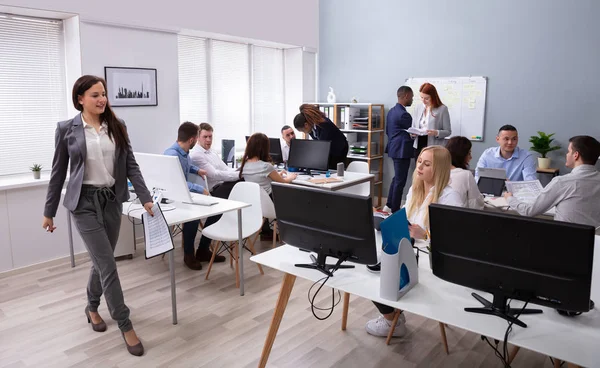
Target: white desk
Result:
[186, 213]
[571, 339]
[349, 179]
[501, 204]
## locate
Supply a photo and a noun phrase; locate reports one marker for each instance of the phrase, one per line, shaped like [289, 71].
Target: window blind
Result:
[267, 85]
[32, 91]
[193, 83]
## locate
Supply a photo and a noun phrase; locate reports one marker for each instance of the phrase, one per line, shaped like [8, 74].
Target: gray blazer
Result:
[69, 140]
[439, 120]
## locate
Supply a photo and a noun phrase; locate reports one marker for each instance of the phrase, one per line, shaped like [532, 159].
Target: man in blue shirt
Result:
[400, 146]
[187, 136]
[520, 164]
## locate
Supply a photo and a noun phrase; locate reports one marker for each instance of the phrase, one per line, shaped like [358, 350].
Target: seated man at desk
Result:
[575, 195]
[187, 136]
[520, 164]
[220, 179]
[287, 134]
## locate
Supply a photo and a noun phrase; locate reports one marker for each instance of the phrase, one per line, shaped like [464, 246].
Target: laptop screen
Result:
[491, 186]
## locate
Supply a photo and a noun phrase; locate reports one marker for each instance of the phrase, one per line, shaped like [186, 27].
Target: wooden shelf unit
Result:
[374, 133]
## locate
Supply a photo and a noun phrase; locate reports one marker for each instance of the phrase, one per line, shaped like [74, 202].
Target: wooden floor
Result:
[42, 324]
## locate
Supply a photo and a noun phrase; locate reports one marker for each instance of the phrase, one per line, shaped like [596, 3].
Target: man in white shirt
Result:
[220, 177]
[287, 134]
[217, 172]
[575, 195]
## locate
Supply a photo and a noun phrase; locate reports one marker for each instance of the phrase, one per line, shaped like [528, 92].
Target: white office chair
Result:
[224, 232]
[363, 189]
[268, 212]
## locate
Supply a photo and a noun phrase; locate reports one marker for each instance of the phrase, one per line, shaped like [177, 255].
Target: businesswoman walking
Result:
[431, 116]
[312, 121]
[96, 145]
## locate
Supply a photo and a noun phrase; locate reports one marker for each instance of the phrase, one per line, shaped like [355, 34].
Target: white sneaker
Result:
[381, 326]
[387, 209]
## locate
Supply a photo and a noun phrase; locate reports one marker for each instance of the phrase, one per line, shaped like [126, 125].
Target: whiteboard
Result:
[465, 99]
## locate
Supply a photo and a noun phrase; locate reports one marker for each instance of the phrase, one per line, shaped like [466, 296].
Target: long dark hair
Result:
[459, 148]
[116, 130]
[308, 114]
[257, 146]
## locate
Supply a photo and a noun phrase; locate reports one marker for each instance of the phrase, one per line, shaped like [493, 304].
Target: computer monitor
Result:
[164, 173]
[331, 224]
[308, 154]
[274, 150]
[539, 261]
[228, 150]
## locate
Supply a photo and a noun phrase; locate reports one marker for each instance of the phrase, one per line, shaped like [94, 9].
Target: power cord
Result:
[504, 355]
[311, 300]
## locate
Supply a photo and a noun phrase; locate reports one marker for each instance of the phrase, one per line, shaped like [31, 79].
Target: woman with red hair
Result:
[431, 116]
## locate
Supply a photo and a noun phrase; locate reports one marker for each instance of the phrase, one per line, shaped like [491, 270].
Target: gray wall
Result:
[541, 57]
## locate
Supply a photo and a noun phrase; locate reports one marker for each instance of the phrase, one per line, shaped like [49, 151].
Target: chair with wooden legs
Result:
[225, 231]
[394, 321]
[268, 212]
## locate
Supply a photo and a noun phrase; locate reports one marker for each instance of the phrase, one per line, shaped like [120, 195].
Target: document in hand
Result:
[525, 191]
[156, 232]
[416, 131]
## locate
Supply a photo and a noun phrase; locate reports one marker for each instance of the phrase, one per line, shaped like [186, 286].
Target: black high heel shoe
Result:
[100, 327]
[137, 349]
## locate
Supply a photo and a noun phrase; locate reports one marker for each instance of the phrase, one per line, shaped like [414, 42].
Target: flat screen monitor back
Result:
[544, 262]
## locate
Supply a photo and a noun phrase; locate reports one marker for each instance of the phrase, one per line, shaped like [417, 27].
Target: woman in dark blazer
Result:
[96, 145]
[432, 116]
[312, 121]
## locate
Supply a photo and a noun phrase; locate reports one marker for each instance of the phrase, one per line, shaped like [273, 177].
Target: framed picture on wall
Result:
[131, 86]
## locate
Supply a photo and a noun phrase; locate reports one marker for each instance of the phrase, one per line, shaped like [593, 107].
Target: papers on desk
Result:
[416, 131]
[156, 232]
[324, 180]
[525, 191]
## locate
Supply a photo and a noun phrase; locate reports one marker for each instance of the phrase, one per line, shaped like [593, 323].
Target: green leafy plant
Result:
[36, 167]
[542, 143]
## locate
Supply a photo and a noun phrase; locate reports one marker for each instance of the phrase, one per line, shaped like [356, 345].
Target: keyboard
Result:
[203, 200]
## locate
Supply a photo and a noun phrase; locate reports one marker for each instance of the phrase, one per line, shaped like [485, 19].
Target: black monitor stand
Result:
[499, 308]
[319, 264]
[305, 172]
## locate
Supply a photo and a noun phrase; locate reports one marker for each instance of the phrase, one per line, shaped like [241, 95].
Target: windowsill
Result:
[23, 181]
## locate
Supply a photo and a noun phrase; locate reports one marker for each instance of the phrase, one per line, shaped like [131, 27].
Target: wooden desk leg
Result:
[513, 354]
[284, 296]
[444, 340]
[345, 311]
[394, 323]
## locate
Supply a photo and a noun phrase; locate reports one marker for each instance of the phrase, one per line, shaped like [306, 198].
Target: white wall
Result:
[151, 128]
[290, 22]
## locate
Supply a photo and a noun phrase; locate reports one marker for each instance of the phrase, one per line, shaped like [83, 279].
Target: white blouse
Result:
[463, 182]
[100, 158]
[448, 197]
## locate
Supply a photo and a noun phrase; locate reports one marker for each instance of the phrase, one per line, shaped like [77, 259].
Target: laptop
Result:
[491, 181]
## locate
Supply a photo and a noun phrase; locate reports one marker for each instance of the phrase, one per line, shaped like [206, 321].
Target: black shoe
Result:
[376, 268]
[191, 262]
[205, 255]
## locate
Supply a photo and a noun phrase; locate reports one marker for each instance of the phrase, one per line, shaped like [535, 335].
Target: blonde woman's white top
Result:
[448, 197]
[463, 182]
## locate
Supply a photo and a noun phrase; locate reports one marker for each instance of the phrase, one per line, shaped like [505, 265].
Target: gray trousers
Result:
[98, 220]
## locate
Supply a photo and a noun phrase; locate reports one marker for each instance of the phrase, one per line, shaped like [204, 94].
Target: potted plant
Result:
[36, 169]
[542, 144]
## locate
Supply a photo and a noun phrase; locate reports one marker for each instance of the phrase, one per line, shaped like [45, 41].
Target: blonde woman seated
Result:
[429, 185]
[461, 179]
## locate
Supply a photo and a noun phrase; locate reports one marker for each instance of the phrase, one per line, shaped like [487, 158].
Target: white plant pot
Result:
[543, 163]
[36, 174]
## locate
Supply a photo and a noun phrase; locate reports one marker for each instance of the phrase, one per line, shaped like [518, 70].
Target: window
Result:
[230, 72]
[32, 91]
[238, 88]
[193, 82]
[267, 85]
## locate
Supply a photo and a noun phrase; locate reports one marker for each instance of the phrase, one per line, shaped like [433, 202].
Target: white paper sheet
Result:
[156, 232]
[525, 191]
